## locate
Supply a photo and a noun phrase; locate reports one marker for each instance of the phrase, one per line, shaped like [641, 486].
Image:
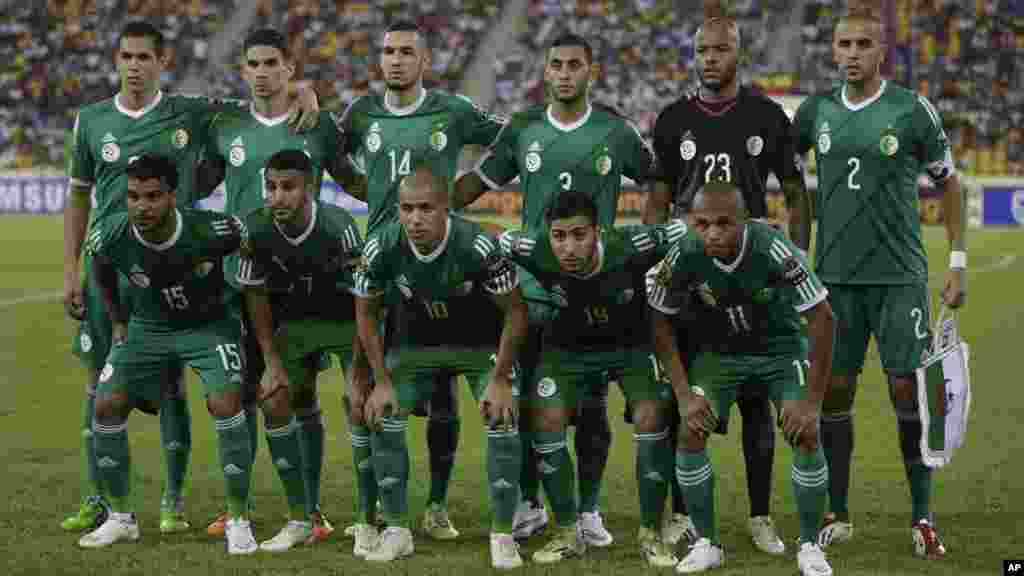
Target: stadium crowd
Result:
[56, 57]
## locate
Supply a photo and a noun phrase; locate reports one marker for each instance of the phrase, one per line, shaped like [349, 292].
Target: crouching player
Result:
[460, 311]
[595, 277]
[296, 269]
[173, 260]
[748, 285]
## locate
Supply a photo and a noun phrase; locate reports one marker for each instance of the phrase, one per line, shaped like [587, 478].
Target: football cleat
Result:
[505, 552]
[394, 543]
[365, 539]
[703, 556]
[678, 527]
[927, 543]
[811, 560]
[322, 528]
[593, 530]
[294, 532]
[530, 519]
[239, 536]
[766, 539]
[567, 542]
[436, 524]
[91, 514]
[654, 550]
[834, 532]
[117, 528]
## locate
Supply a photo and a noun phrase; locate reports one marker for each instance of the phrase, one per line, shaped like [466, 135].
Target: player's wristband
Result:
[958, 260]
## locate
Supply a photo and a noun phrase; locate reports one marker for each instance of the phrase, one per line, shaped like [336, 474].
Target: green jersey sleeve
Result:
[666, 281]
[252, 267]
[639, 162]
[655, 239]
[225, 232]
[351, 130]
[478, 127]
[796, 273]
[498, 274]
[82, 166]
[932, 146]
[499, 166]
[371, 274]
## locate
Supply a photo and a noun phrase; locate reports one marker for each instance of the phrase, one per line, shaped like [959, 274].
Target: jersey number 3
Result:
[717, 163]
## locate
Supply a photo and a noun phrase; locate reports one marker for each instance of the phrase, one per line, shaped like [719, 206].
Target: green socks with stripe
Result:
[810, 487]
[696, 478]
[391, 468]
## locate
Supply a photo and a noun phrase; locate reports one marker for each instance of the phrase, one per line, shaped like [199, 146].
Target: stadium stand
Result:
[968, 57]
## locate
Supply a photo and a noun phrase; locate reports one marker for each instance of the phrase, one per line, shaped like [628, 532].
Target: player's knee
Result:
[111, 409]
[692, 442]
[647, 417]
[277, 409]
[550, 420]
[840, 395]
[808, 440]
[224, 405]
[902, 390]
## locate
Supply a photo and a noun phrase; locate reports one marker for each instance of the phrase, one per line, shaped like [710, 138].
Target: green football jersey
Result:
[308, 276]
[604, 310]
[244, 140]
[446, 295]
[751, 306]
[869, 158]
[177, 284]
[591, 155]
[108, 137]
[385, 143]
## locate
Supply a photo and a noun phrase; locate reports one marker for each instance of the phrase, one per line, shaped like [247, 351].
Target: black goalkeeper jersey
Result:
[739, 142]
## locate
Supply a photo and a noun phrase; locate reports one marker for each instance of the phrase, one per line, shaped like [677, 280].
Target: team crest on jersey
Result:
[180, 138]
[603, 164]
[533, 156]
[889, 144]
[403, 286]
[755, 144]
[373, 139]
[202, 269]
[85, 341]
[110, 151]
[237, 153]
[559, 297]
[705, 294]
[546, 388]
[687, 146]
[824, 139]
[438, 141]
[138, 277]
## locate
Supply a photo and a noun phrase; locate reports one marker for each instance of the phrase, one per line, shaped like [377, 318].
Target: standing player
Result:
[108, 136]
[242, 140]
[172, 259]
[872, 139]
[392, 135]
[569, 144]
[296, 270]
[748, 286]
[596, 279]
[727, 132]
[461, 311]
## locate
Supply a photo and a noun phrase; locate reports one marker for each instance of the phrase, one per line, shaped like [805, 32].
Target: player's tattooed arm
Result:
[468, 187]
[657, 204]
[799, 204]
[76, 222]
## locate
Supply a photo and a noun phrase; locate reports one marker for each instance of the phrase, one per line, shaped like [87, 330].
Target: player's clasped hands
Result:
[700, 419]
[800, 420]
[498, 406]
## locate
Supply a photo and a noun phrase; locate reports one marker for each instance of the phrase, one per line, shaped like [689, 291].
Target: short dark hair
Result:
[721, 188]
[291, 159]
[143, 29]
[570, 39]
[154, 166]
[266, 37]
[569, 204]
[408, 26]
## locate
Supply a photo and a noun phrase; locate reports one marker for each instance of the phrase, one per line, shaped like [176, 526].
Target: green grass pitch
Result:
[977, 500]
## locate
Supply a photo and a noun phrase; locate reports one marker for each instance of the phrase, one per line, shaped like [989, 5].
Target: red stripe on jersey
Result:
[714, 109]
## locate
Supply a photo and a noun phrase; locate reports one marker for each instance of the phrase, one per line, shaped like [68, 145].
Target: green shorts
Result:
[564, 377]
[141, 364]
[92, 341]
[723, 378]
[898, 316]
[304, 345]
[414, 371]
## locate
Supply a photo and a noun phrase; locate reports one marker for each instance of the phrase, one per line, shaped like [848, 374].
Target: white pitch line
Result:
[44, 297]
[1001, 263]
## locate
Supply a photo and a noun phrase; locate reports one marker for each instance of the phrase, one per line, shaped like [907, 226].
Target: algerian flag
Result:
[944, 394]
